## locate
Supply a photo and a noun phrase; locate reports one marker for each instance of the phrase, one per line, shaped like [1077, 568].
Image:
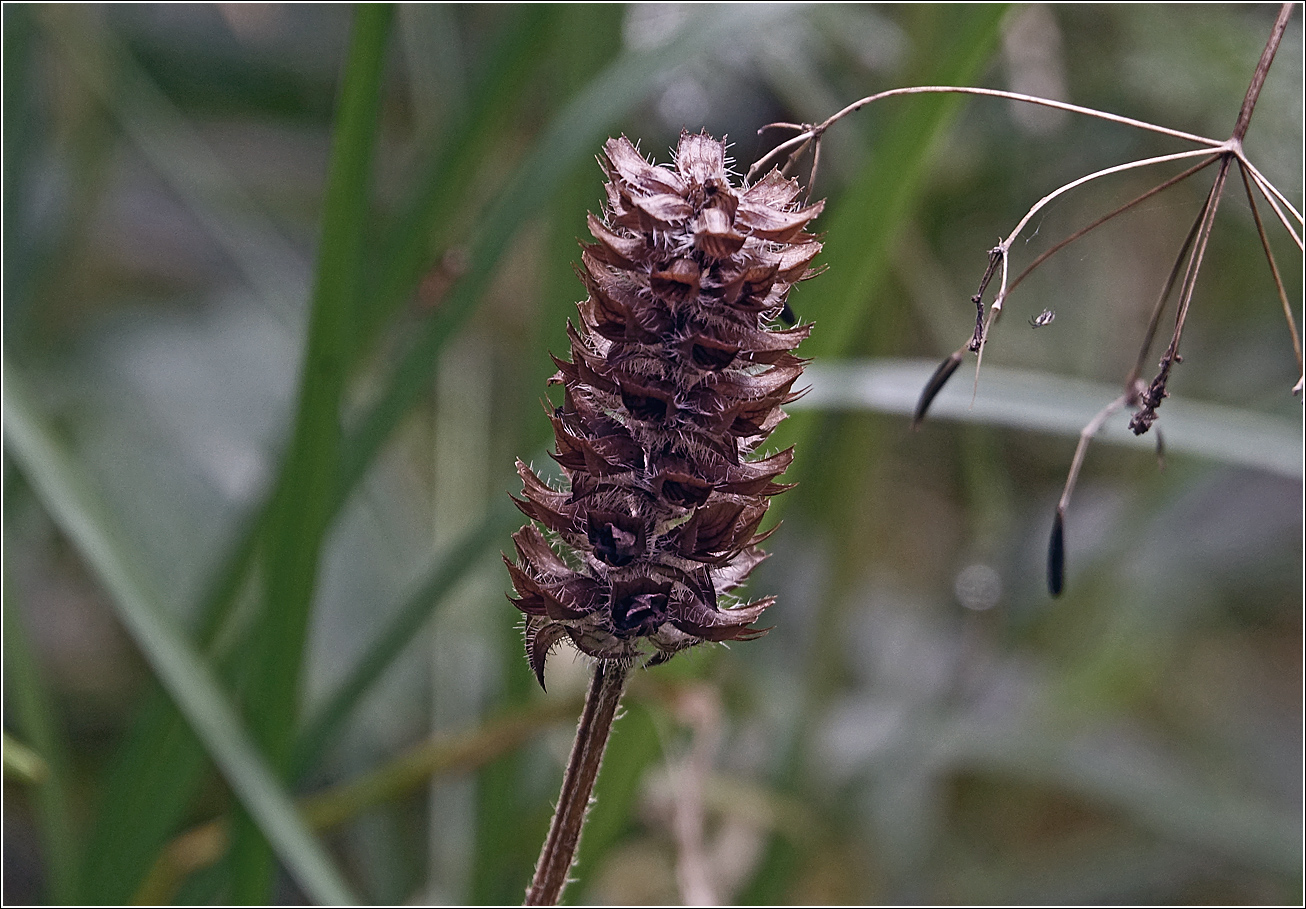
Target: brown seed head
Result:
[676, 376]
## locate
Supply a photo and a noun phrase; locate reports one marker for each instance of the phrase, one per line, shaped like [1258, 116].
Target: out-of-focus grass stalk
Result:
[402, 776]
[1046, 402]
[80, 514]
[302, 507]
[35, 716]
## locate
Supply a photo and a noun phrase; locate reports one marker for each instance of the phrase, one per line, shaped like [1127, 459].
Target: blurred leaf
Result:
[1056, 404]
[160, 765]
[864, 222]
[178, 153]
[403, 775]
[76, 508]
[446, 572]
[1131, 774]
[429, 223]
[22, 764]
[34, 715]
[302, 509]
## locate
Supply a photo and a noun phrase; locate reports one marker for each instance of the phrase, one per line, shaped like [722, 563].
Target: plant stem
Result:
[1262, 70]
[559, 850]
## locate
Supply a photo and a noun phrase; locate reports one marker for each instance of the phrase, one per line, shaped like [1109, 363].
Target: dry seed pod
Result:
[676, 376]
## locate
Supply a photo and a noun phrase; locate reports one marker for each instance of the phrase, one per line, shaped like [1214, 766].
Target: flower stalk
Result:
[559, 852]
[677, 376]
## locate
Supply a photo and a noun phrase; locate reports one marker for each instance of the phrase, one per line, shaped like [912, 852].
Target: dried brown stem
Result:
[1003, 249]
[1092, 428]
[1156, 392]
[1199, 235]
[559, 852]
[1274, 270]
[996, 255]
[1262, 70]
[1275, 200]
[1057, 545]
[815, 131]
[1132, 385]
[1049, 253]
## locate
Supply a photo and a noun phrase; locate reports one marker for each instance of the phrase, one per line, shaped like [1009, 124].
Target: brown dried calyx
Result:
[675, 377]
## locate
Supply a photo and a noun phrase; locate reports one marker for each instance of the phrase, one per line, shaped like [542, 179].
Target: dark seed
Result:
[1057, 556]
[934, 386]
[640, 613]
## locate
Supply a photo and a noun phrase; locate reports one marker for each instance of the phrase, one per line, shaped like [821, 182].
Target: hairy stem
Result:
[559, 850]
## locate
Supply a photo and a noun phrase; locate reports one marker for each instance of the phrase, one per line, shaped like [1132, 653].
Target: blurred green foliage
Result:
[279, 286]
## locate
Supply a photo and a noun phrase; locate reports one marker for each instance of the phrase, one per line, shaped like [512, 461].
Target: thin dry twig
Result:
[1057, 550]
[1062, 244]
[813, 132]
[1133, 380]
[1274, 198]
[1274, 271]
[1189, 261]
[1151, 399]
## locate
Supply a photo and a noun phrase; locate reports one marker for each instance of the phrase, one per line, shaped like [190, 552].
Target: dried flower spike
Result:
[676, 376]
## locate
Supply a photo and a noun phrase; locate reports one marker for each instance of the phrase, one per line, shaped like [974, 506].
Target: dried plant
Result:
[677, 376]
[1144, 396]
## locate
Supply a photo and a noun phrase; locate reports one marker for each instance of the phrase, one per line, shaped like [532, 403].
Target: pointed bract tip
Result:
[1057, 556]
[935, 385]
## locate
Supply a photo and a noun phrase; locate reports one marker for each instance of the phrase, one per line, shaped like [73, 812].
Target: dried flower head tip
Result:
[677, 375]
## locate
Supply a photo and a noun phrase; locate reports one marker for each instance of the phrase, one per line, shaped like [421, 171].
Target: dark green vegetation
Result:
[279, 287]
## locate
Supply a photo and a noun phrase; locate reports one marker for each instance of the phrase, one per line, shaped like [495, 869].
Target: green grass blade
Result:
[146, 793]
[161, 765]
[303, 506]
[1043, 402]
[22, 764]
[176, 151]
[445, 574]
[27, 696]
[77, 509]
[430, 219]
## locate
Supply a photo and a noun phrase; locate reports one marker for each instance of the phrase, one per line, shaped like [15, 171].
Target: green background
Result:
[280, 284]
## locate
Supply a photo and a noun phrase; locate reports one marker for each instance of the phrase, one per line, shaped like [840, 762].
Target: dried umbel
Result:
[676, 377]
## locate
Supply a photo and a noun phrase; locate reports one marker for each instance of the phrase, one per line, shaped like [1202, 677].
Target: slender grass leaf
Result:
[33, 714]
[77, 509]
[303, 506]
[1059, 405]
[427, 223]
[161, 765]
[178, 153]
[864, 224]
[448, 569]
[22, 764]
